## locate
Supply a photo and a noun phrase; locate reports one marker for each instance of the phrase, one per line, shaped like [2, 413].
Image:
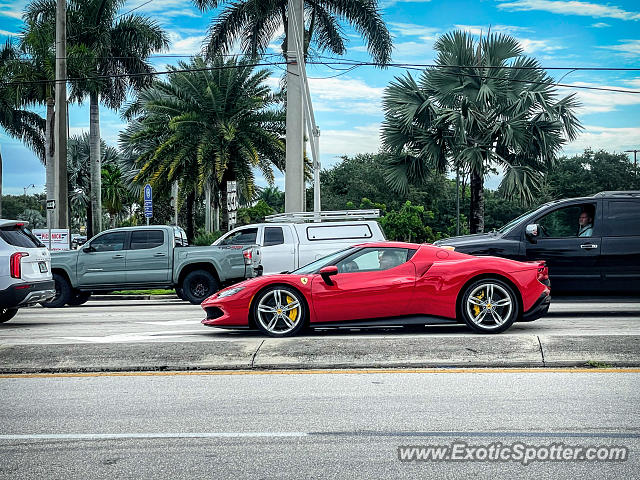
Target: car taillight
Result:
[248, 255]
[543, 273]
[15, 264]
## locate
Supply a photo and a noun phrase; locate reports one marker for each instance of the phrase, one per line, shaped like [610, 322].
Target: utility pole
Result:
[635, 157]
[294, 187]
[62, 200]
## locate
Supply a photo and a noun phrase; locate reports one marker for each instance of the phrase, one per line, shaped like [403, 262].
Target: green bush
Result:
[203, 238]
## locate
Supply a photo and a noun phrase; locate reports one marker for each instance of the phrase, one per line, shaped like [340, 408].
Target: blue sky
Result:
[559, 33]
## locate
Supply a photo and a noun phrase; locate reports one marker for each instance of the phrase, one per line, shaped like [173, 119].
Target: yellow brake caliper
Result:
[476, 308]
[293, 314]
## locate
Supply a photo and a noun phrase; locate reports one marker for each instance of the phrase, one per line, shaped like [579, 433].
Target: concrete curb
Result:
[327, 353]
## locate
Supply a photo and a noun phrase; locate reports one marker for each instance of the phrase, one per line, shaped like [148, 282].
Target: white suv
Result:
[25, 269]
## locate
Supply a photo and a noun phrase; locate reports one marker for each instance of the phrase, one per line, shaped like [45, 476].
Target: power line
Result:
[328, 64]
[134, 9]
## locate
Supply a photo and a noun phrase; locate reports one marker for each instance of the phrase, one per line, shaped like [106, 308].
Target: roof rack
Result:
[327, 216]
[627, 193]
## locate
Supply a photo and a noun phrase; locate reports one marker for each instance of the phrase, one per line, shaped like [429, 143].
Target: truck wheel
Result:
[7, 314]
[199, 285]
[79, 298]
[63, 293]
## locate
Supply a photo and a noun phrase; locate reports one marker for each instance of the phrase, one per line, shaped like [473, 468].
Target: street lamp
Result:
[25, 194]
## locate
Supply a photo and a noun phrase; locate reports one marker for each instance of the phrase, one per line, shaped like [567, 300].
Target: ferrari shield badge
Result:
[304, 280]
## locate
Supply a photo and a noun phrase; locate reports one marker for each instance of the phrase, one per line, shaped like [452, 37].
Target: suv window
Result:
[623, 218]
[244, 236]
[142, 239]
[567, 222]
[18, 236]
[273, 236]
[109, 242]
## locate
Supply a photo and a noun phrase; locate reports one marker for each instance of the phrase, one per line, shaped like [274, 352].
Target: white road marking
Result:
[118, 436]
[134, 337]
[174, 322]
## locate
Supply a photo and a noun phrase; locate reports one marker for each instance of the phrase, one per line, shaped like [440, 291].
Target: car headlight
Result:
[229, 292]
[447, 247]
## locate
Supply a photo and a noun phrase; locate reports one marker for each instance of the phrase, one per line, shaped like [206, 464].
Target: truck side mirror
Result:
[327, 272]
[88, 249]
[532, 231]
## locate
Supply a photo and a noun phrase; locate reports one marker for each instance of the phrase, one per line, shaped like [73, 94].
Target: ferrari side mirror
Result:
[327, 273]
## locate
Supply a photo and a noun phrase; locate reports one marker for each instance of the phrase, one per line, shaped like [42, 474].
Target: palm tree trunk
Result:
[96, 167]
[224, 213]
[476, 209]
[89, 221]
[207, 208]
[191, 200]
[49, 156]
[0, 183]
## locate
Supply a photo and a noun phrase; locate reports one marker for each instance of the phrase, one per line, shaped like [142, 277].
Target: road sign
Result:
[148, 201]
[51, 204]
[232, 203]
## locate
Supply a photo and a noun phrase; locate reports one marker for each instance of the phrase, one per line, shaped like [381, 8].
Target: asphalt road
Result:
[261, 425]
[177, 321]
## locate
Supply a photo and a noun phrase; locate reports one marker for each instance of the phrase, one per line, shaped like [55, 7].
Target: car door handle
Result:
[118, 256]
[589, 246]
[159, 254]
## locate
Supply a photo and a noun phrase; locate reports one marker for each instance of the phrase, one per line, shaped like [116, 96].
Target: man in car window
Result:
[389, 259]
[585, 223]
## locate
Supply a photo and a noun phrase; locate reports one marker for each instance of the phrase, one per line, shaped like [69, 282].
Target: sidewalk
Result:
[328, 353]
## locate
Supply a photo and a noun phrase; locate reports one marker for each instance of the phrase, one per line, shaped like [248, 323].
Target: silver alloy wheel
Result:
[279, 311]
[489, 306]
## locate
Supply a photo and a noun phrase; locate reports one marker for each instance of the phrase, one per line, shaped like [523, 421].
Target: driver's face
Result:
[386, 261]
[584, 219]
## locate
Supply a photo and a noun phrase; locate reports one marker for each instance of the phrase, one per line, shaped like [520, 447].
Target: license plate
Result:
[43, 267]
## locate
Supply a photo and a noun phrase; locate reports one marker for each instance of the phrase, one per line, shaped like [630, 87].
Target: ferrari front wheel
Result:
[489, 305]
[279, 311]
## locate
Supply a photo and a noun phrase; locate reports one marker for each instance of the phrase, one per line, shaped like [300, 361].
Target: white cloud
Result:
[483, 29]
[403, 51]
[600, 25]
[163, 8]
[606, 138]
[361, 139]
[8, 33]
[12, 8]
[185, 45]
[391, 3]
[628, 48]
[597, 101]
[412, 29]
[530, 46]
[570, 7]
[351, 96]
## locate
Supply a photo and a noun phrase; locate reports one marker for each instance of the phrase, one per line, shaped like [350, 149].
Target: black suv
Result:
[591, 244]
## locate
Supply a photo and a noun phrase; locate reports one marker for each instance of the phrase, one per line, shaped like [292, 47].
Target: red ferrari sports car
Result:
[383, 284]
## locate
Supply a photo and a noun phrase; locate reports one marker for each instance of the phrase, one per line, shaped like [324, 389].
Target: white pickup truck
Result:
[287, 246]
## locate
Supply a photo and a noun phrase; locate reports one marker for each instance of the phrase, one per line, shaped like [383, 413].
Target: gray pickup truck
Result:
[147, 257]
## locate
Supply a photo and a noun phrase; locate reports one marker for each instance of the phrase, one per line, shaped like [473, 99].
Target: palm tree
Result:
[117, 48]
[207, 126]
[79, 176]
[114, 192]
[254, 23]
[14, 119]
[36, 70]
[483, 106]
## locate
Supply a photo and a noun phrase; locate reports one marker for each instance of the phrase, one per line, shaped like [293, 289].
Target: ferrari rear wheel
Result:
[279, 311]
[489, 306]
